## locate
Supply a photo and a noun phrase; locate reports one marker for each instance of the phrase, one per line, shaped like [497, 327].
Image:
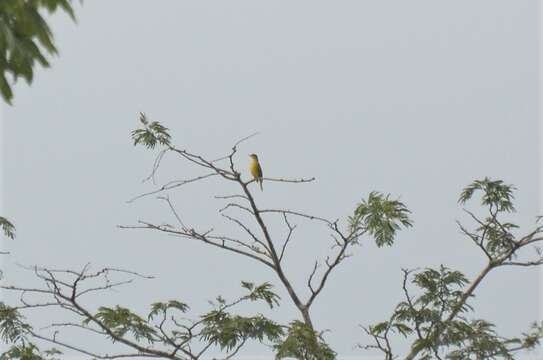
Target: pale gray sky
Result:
[416, 98]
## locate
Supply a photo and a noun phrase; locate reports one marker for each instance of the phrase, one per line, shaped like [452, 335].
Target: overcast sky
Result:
[414, 98]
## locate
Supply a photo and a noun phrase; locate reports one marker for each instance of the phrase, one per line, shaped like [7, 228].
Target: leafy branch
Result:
[165, 332]
[25, 39]
[7, 227]
[437, 317]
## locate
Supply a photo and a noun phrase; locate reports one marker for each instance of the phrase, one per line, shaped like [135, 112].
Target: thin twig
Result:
[172, 185]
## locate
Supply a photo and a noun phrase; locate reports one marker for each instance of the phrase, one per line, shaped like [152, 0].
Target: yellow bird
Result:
[256, 170]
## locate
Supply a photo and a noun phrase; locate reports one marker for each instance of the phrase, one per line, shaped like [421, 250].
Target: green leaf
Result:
[12, 325]
[7, 227]
[402, 328]
[261, 292]
[25, 38]
[123, 322]
[379, 328]
[22, 352]
[162, 308]
[228, 331]
[381, 217]
[495, 194]
[303, 343]
[5, 89]
[247, 285]
[151, 135]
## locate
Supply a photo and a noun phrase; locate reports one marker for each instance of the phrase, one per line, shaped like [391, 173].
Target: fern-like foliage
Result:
[494, 193]
[29, 351]
[162, 308]
[303, 343]
[122, 321]
[13, 328]
[229, 331]
[441, 336]
[261, 292]
[152, 134]
[7, 227]
[381, 217]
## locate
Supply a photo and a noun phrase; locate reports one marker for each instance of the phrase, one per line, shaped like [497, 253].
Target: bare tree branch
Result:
[296, 213]
[192, 234]
[289, 235]
[172, 185]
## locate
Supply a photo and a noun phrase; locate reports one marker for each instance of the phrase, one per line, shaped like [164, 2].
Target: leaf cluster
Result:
[218, 327]
[7, 227]
[492, 234]
[261, 292]
[29, 351]
[442, 288]
[16, 332]
[495, 194]
[303, 343]
[440, 336]
[163, 307]
[122, 321]
[533, 338]
[25, 38]
[381, 216]
[440, 292]
[151, 134]
[13, 328]
[477, 339]
[498, 238]
[229, 331]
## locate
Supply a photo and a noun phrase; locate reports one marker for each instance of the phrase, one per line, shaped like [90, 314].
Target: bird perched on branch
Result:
[256, 170]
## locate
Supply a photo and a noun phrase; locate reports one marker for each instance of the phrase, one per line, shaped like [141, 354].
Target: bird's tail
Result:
[260, 183]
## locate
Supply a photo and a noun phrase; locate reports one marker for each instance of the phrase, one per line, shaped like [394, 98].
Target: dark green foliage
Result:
[25, 38]
[533, 338]
[166, 323]
[153, 133]
[493, 235]
[381, 217]
[12, 326]
[228, 331]
[7, 227]
[495, 194]
[261, 292]
[382, 328]
[303, 343]
[14, 330]
[441, 288]
[22, 352]
[52, 352]
[29, 351]
[122, 321]
[477, 340]
[437, 317]
[441, 292]
[427, 317]
[497, 236]
[162, 308]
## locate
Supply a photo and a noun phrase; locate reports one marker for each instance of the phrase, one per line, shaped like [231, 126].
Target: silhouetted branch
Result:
[381, 343]
[172, 185]
[205, 238]
[296, 213]
[289, 235]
